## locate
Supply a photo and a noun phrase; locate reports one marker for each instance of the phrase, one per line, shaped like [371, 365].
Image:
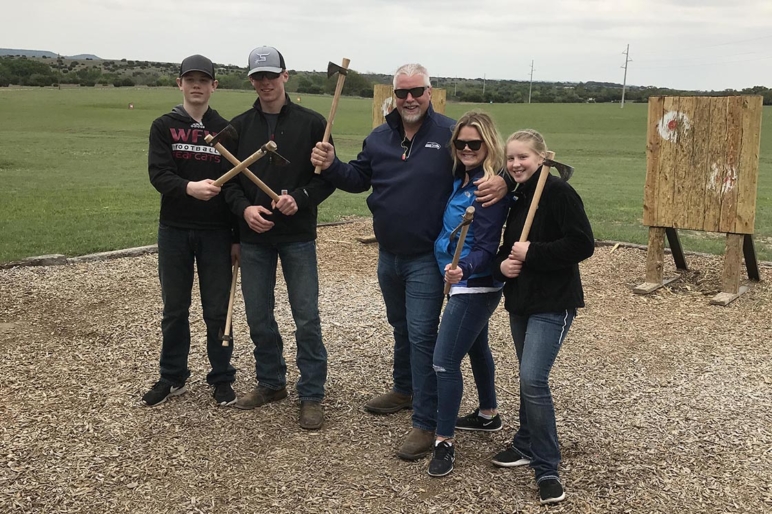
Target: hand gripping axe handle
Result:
[341, 70]
[464, 226]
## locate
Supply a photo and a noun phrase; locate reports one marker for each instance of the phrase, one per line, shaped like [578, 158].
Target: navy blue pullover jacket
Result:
[409, 194]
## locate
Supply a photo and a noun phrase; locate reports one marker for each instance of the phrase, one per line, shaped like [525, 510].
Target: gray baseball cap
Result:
[266, 58]
[197, 63]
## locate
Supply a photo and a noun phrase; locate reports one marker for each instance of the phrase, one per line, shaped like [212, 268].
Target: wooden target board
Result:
[702, 164]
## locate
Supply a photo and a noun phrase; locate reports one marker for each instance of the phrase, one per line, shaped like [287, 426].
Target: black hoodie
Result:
[178, 154]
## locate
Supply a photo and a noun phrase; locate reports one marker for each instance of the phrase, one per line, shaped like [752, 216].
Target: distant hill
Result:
[44, 53]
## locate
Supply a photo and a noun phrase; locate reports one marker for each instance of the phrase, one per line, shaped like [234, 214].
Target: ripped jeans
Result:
[464, 330]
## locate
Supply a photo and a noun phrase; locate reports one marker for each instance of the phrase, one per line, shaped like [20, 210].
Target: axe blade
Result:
[222, 337]
[228, 132]
[279, 159]
[333, 68]
[565, 171]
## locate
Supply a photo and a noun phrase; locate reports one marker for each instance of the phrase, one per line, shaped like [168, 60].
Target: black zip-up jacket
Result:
[297, 131]
[560, 237]
[177, 155]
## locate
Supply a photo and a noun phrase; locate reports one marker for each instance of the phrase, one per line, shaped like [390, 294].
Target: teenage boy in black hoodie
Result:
[195, 225]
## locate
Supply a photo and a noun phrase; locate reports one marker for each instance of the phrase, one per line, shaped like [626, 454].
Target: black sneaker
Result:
[223, 394]
[442, 460]
[510, 458]
[160, 392]
[551, 491]
[474, 421]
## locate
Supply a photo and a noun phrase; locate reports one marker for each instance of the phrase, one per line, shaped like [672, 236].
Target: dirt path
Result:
[664, 402]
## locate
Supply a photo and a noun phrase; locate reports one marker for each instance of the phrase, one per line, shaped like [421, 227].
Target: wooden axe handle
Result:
[229, 318]
[334, 107]
[251, 176]
[270, 145]
[468, 215]
[545, 171]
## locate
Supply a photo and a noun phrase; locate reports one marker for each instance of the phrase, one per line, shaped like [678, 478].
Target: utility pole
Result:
[624, 82]
[455, 86]
[483, 86]
[530, 86]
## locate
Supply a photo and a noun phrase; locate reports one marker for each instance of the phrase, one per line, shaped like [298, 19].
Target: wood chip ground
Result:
[664, 402]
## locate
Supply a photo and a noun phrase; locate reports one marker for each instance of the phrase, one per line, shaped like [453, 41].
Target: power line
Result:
[727, 43]
[703, 64]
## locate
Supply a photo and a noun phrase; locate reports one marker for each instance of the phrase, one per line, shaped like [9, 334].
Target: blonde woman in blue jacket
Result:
[477, 153]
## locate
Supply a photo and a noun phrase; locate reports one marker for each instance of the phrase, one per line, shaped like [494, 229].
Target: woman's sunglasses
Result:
[473, 145]
[415, 92]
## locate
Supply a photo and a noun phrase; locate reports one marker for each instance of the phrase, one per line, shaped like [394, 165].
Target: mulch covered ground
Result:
[664, 402]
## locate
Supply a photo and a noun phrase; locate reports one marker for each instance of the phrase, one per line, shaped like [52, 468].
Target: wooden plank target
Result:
[702, 163]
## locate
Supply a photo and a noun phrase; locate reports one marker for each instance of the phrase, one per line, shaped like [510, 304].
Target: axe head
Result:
[279, 159]
[227, 133]
[223, 337]
[466, 220]
[564, 170]
[333, 68]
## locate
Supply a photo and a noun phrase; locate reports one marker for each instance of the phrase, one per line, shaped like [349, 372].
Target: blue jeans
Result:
[412, 291]
[464, 329]
[258, 281]
[538, 339]
[177, 251]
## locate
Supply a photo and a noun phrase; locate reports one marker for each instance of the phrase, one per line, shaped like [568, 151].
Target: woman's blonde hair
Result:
[532, 138]
[494, 161]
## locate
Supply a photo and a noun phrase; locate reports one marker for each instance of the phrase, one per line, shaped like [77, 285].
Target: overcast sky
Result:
[685, 44]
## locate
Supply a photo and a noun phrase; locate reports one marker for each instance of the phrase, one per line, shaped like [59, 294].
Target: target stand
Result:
[702, 163]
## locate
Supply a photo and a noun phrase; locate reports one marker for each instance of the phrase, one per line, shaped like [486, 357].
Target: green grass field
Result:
[74, 162]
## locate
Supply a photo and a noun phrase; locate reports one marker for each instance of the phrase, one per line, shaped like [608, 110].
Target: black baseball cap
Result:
[197, 63]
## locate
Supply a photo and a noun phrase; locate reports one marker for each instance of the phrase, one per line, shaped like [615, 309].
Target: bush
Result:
[125, 82]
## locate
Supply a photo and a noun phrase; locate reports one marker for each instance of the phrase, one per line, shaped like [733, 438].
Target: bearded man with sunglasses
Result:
[283, 229]
[408, 164]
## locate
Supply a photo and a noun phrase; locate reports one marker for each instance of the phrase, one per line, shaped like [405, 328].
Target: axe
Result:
[342, 71]
[464, 227]
[225, 335]
[545, 171]
[227, 132]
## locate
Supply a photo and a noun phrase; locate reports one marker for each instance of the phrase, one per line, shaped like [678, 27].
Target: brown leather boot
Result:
[418, 444]
[311, 415]
[259, 396]
[389, 403]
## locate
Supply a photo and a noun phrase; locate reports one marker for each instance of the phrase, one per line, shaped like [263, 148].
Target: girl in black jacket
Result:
[542, 292]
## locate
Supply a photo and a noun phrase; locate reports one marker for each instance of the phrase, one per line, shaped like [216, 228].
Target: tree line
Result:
[44, 71]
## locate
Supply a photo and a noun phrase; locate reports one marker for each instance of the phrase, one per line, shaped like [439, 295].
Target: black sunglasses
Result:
[473, 145]
[415, 92]
[260, 75]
